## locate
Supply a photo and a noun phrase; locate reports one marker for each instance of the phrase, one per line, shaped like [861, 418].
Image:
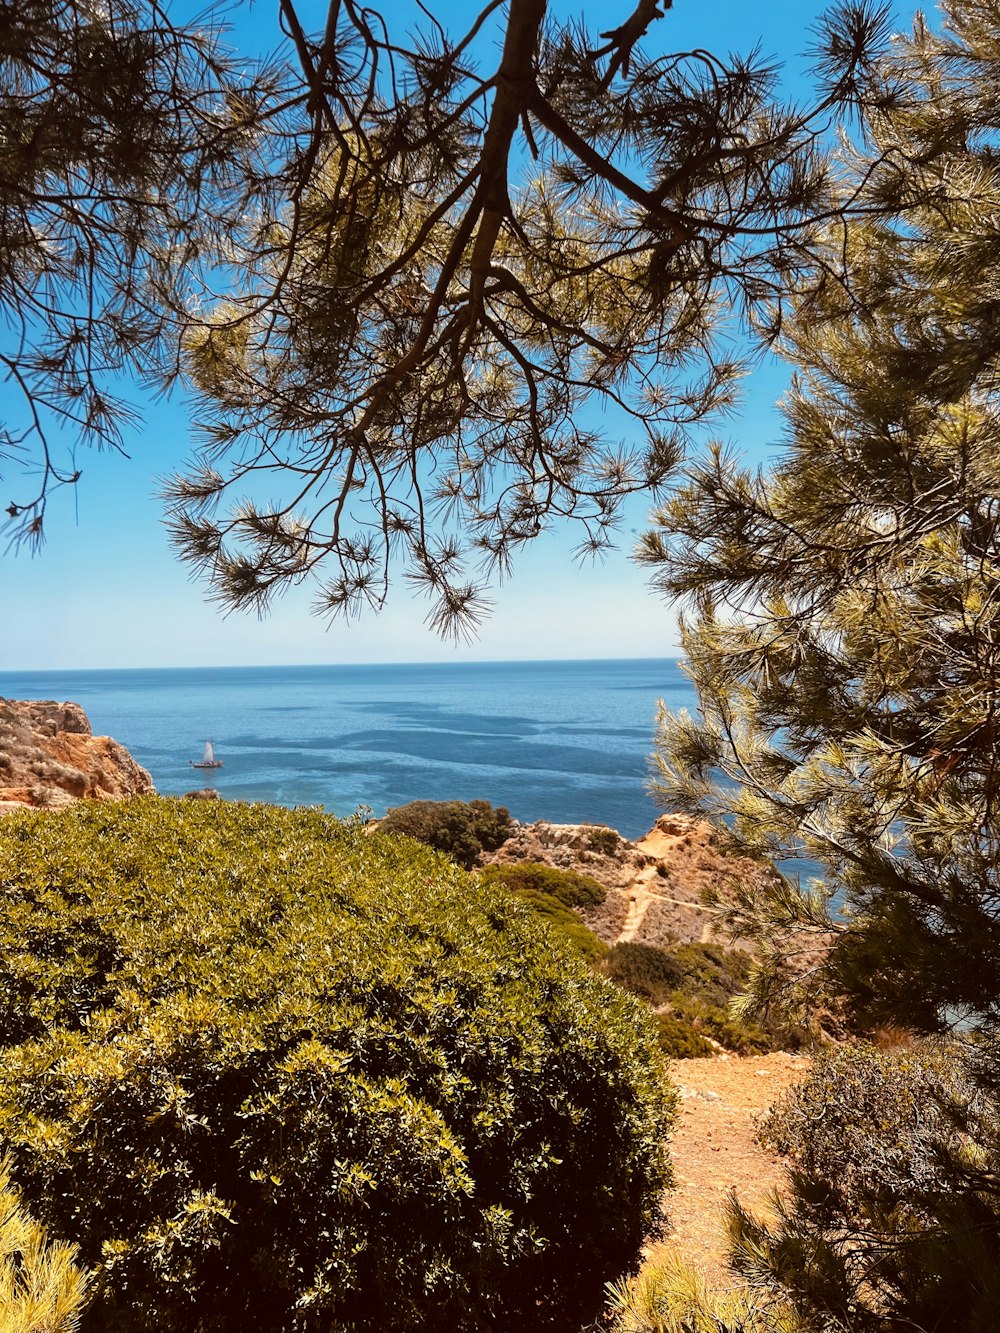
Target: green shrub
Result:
[696, 982]
[603, 840]
[712, 971]
[867, 1121]
[680, 1039]
[891, 1217]
[652, 973]
[734, 1034]
[460, 829]
[570, 887]
[269, 1072]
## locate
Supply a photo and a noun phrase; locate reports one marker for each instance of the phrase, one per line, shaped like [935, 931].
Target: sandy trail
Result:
[647, 888]
[714, 1150]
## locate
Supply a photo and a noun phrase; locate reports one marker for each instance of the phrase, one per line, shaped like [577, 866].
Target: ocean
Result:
[564, 741]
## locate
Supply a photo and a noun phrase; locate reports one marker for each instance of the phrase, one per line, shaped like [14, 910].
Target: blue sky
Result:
[106, 591]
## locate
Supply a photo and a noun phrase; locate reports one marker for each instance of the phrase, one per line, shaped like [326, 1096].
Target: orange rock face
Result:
[655, 885]
[48, 758]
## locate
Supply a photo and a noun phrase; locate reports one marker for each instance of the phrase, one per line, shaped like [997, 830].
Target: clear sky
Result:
[106, 591]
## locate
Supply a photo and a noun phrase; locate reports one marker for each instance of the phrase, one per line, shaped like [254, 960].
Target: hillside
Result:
[654, 884]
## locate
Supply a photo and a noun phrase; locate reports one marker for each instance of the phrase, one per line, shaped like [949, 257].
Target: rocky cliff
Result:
[49, 758]
[654, 884]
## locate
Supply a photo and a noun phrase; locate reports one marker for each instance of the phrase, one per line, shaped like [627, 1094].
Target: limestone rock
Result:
[50, 759]
[655, 884]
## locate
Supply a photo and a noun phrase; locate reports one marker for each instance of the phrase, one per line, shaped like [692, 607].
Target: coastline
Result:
[568, 742]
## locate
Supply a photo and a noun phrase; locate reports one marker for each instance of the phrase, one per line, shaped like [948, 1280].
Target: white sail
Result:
[208, 759]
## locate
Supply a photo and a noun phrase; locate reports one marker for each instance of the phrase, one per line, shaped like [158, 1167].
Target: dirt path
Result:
[641, 897]
[668, 847]
[644, 893]
[714, 1149]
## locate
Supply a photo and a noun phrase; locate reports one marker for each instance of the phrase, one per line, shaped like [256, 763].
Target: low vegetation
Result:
[267, 1070]
[888, 1218]
[553, 894]
[681, 1039]
[567, 886]
[691, 986]
[669, 1296]
[462, 830]
[892, 1209]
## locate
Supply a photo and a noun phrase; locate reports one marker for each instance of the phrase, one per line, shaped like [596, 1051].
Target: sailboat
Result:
[208, 759]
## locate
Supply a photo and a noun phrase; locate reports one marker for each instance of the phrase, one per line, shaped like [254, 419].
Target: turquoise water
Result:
[566, 741]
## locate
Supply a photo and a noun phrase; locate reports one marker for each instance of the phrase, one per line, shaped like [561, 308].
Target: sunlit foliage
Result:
[270, 1071]
[672, 1296]
[692, 986]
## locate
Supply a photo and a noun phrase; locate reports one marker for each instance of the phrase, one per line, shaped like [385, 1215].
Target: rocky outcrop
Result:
[49, 758]
[655, 884]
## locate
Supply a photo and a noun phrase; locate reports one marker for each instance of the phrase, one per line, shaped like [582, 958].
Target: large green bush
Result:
[460, 829]
[269, 1071]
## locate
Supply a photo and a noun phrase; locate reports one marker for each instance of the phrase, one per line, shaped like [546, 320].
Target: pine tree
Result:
[429, 303]
[126, 147]
[842, 632]
[845, 609]
[42, 1287]
[495, 295]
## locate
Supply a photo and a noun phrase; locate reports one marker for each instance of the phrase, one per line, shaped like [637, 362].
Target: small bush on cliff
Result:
[603, 840]
[652, 973]
[269, 1072]
[460, 829]
[568, 886]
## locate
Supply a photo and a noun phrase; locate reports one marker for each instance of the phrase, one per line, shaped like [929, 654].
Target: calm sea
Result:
[565, 741]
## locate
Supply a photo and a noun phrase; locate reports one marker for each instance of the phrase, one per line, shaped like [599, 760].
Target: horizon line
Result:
[304, 666]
